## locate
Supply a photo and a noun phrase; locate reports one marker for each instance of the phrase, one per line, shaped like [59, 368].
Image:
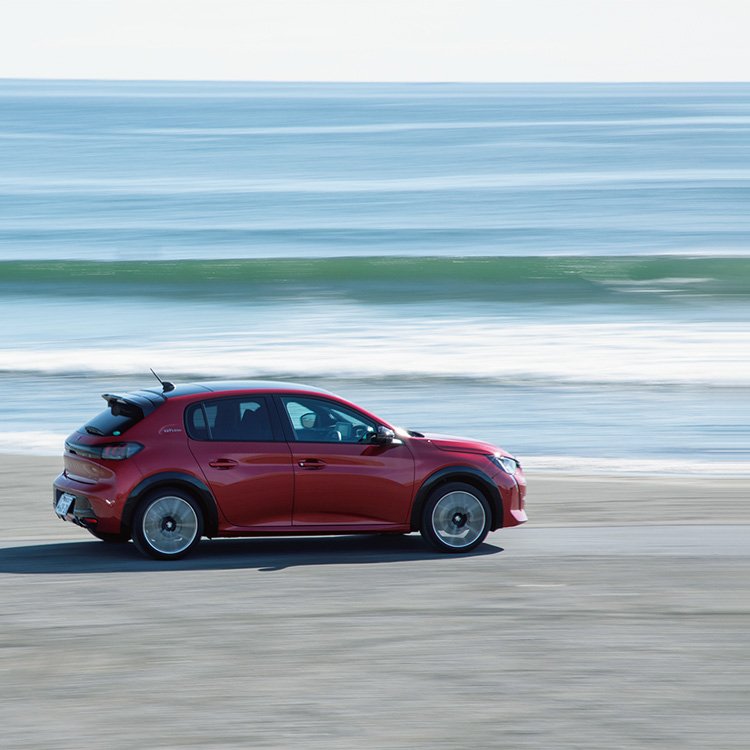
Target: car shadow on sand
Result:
[263, 554]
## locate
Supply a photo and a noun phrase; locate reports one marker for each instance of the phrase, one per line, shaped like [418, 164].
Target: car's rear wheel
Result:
[121, 538]
[456, 518]
[168, 524]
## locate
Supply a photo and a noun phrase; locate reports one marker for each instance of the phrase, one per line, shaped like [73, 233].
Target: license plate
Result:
[63, 504]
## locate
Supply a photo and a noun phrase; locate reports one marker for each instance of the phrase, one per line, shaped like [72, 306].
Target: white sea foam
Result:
[675, 467]
[32, 442]
[395, 127]
[614, 352]
[432, 183]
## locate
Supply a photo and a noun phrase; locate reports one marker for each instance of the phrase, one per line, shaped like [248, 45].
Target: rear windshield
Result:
[122, 413]
[109, 424]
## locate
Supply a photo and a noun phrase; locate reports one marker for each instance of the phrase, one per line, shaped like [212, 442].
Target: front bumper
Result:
[513, 493]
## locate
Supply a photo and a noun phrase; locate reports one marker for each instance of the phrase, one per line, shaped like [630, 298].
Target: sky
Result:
[377, 40]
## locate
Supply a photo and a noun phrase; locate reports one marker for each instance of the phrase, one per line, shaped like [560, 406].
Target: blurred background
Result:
[561, 269]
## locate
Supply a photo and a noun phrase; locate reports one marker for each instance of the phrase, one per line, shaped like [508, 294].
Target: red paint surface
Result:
[284, 486]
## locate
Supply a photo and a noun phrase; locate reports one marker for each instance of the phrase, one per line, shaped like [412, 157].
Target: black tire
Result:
[168, 524]
[121, 538]
[456, 518]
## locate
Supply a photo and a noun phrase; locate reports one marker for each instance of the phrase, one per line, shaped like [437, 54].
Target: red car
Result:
[167, 467]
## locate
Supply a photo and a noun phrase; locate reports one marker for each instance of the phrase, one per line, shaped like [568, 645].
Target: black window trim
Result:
[276, 428]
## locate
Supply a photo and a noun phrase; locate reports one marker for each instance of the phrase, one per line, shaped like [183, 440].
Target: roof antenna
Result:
[166, 386]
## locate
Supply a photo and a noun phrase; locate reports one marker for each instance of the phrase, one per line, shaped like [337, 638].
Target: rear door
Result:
[247, 463]
[341, 477]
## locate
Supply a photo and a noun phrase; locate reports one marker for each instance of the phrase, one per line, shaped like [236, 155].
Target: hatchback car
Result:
[169, 466]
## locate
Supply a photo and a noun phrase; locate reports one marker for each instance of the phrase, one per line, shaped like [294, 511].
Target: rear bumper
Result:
[94, 507]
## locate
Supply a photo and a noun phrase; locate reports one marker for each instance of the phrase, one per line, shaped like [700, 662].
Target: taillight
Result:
[119, 451]
[108, 451]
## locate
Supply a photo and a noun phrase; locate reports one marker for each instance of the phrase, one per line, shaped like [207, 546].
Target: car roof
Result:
[223, 386]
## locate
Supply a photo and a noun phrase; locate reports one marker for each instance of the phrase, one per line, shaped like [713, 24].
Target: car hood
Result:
[462, 444]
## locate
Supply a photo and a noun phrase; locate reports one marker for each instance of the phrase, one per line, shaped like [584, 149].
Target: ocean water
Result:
[561, 269]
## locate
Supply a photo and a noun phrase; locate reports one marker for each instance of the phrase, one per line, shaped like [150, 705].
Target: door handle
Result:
[312, 463]
[222, 463]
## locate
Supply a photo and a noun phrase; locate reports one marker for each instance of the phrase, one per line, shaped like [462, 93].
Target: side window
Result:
[316, 420]
[230, 419]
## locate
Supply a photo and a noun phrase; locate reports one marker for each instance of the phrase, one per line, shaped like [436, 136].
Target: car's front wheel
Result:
[456, 518]
[167, 524]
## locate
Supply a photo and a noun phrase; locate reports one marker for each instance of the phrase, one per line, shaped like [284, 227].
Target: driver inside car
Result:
[318, 427]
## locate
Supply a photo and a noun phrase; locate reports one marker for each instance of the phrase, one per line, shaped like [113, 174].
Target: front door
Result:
[341, 477]
[246, 461]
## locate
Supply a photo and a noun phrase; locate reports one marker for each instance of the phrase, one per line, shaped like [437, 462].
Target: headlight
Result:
[506, 463]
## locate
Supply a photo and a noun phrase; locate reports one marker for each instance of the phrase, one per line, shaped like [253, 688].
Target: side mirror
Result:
[383, 435]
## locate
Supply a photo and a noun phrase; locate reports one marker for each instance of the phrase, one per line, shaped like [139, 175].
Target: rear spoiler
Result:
[135, 405]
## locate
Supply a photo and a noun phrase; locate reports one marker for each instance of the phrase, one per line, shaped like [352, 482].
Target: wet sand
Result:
[616, 618]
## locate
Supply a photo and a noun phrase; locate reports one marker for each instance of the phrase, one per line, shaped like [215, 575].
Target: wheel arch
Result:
[186, 482]
[467, 474]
